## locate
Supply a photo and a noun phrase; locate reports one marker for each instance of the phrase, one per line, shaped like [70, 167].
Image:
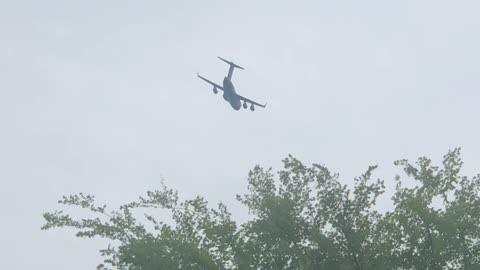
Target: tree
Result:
[441, 235]
[304, 219]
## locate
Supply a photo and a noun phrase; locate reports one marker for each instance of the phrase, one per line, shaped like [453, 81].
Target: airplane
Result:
[229, 93]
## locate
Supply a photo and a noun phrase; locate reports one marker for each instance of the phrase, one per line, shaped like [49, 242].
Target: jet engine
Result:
[252, 108]
[245, 105]
[215, 91]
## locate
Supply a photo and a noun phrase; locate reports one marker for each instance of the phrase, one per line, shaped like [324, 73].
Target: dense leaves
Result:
[304, 218]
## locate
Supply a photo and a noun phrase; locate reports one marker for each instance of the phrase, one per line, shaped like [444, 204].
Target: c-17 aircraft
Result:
[228, 89]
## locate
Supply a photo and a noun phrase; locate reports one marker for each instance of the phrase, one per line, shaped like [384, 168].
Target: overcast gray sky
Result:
[101, 97]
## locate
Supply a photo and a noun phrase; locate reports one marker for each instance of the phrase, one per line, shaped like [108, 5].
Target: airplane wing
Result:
[210, 82]
[252, 102]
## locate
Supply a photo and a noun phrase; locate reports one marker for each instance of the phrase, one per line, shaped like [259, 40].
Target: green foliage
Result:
[303, 219]
[441, 236]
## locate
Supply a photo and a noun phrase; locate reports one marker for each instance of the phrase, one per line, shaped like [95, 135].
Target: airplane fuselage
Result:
[230, 95]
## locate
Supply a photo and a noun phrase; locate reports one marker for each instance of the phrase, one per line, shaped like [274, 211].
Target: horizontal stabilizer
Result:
[230, 63]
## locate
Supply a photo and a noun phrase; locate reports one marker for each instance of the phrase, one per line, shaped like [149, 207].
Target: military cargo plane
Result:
[229, 93]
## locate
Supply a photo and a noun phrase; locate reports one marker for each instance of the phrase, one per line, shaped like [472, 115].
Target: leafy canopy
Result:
[303, 219]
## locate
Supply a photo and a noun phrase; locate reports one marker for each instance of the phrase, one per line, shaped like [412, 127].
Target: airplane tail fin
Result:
[230, 63]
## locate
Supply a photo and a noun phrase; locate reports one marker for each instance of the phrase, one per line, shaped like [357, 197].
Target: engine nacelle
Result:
[252, 108]
[215, 91]
[245, 105]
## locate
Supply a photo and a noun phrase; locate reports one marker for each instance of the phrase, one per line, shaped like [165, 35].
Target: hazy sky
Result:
[101, 97]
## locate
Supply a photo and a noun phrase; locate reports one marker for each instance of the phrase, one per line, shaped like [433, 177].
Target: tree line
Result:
[302, 218]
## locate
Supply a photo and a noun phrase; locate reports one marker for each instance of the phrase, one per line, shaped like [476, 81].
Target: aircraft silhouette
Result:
[228, 89]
